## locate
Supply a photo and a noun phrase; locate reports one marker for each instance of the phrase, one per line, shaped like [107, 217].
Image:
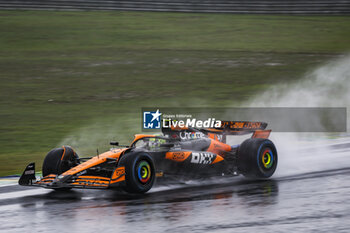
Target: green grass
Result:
[81, 78]
[87, 31]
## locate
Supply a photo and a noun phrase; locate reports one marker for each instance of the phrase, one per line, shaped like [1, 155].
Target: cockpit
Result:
[152, 143]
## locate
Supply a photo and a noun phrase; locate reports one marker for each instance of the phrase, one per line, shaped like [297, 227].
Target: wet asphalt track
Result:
[317, 201]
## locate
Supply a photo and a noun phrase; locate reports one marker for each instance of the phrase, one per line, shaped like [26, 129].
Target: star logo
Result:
[156, 115]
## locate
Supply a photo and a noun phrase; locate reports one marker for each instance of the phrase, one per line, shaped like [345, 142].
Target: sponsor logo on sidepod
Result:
[202, 158]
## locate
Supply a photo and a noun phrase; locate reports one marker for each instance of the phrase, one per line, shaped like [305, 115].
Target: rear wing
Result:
[220, 133]
[233, 127]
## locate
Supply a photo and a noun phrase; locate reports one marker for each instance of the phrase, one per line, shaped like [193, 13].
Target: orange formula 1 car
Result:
[178, 153]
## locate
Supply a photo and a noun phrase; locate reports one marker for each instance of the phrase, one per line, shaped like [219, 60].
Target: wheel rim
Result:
[267, 158]
[144, 172]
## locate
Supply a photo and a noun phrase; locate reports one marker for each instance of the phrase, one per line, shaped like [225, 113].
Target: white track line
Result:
[23, 193]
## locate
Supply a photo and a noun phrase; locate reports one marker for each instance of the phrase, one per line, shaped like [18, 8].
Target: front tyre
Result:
[139, 172]
[59, 160]
[257, 158]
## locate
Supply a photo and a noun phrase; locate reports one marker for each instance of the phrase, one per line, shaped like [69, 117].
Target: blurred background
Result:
[79, 72]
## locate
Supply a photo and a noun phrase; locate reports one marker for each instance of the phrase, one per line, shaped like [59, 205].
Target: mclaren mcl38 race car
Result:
[180, 152]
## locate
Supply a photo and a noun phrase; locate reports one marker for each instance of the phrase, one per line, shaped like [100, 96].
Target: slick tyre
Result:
[257, 158]
[59, 160]
[139, 172]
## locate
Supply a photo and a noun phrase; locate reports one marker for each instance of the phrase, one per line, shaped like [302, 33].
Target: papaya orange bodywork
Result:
[114, 154]
[214, 136]
[139, 136]
[178, 128]
[93, 177]
[118, 175]
[217, 159]
[261, 134]
[218, 147]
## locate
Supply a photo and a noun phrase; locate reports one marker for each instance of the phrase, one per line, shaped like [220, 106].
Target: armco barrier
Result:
[218, 6]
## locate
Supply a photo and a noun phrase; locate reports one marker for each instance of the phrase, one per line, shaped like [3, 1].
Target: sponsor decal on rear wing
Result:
[241, 125]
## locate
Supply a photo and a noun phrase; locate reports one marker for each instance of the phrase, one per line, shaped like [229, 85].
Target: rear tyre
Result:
[257, 158]
[59, 160]
[139, 172]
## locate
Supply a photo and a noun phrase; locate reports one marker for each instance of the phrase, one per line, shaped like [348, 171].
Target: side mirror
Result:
[113, 143]
[167, 145]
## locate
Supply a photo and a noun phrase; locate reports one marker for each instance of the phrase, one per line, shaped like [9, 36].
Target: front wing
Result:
[72, 181]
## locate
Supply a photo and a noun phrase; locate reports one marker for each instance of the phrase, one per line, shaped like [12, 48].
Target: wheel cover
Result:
[267, 158]
[144, 172]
